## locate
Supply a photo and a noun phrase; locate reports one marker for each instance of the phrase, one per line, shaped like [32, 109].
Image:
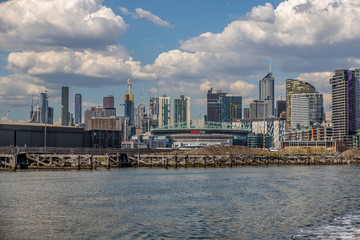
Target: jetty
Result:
[12, 158]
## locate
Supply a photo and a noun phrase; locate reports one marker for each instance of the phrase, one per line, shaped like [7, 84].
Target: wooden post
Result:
[14, 162]
[214, 160]
[175, 158]
[91, 162]
[204, 162]
[107, 158]
[118, 159]
[78, 162]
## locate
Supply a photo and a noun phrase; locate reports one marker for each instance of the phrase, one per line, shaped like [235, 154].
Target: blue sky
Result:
[94, 46]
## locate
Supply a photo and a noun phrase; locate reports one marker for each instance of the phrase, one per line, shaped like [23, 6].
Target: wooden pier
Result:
[83, 158]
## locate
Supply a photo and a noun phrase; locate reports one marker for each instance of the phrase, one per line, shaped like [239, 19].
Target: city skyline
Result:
[154, 45]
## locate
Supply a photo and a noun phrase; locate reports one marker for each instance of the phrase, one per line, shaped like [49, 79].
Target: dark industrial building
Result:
[41, 135]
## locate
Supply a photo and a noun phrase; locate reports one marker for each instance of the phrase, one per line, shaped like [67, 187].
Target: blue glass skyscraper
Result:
[44, 107]
[78, 108]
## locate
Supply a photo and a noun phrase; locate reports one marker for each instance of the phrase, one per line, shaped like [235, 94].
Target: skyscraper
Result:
[294, 86]
[164, 111]
[182, 110]
[78, 108]
[65, 106]
[108, 101]
[44, 107]
[139, 116]
[266, 92]
[307, 109]
[129, 104]
[231, 108]
[280, 107]
[345, 103]
[213, 105]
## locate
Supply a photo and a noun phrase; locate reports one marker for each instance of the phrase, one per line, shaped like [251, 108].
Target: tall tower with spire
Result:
[266, 92]
[129, 104]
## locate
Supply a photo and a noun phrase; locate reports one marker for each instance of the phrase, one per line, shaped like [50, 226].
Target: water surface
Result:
[288, 202]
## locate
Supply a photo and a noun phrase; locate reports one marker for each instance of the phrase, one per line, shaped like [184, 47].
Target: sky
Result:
[178, 47]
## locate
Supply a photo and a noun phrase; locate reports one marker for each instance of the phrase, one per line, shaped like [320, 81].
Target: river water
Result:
[282, 202]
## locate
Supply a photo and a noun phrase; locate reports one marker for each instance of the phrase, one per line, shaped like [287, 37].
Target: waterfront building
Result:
[231, 108]
[323, 132]
[78, 108]
[258, 141]
[108, 101]
[182, 110]
[65, 106]
[164, 111]
[129, 104]
[280, 107]
[266, 93]
[274, 127]
[294, 86]
[213, 105]
[345, 103]
[307, 109]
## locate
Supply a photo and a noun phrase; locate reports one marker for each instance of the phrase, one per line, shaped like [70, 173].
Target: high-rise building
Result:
[294, 86]
[164, 111]
[246, 113]
[280, 107]
[182, 110]
[307, 109]
[345, 103]
[65, 106]
[44, 105]
[231, 108]
[266, 92]
[94, 112]
[258, 109]
[129, 104]
[213, 105]
[139, 116]
[78, 108]
[108, 101]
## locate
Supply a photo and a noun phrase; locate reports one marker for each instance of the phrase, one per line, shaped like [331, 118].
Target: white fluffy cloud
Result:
[39, 24]
[112, 65]
[299, 35]
[141, 13]
[19, 94]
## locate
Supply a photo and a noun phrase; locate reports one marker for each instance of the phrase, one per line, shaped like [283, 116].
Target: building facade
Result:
[213, 105]
[294, 86]
[182, 110]
[65, 106]
[266, 93]
[78, 108]
[258, 109]
[231, 108]
[280, 107]
[345, 103]
[108, 101]
[307, 109]
[164, 111]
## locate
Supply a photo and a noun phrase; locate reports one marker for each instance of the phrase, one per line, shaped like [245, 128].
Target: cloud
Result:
[320, 80]
[141, 13]
[74, 24]
[298, 35]
[82, 68]
[19, 94]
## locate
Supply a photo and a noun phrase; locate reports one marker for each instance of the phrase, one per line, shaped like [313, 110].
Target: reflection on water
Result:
[228, 203]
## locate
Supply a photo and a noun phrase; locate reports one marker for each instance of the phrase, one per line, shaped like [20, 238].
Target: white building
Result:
[307, 109]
